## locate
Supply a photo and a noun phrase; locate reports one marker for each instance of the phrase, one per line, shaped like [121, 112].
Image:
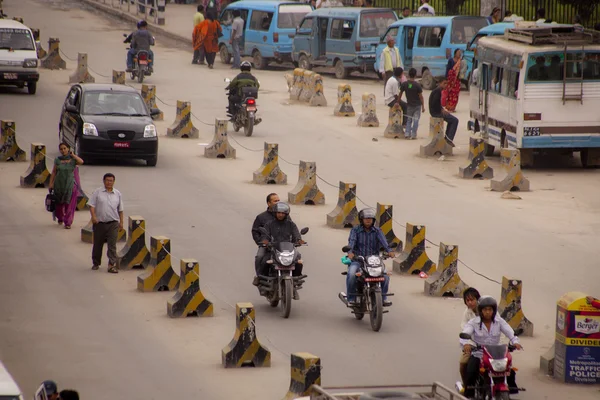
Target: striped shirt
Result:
[367, 243]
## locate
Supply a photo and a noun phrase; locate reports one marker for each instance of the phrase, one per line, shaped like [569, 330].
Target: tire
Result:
[258, 60]
[286, 298]
[502, 396]
[151, 162]
[303, 62]
[31, 87]
[140, 77]
[376, 313]
[340, 71]
[224, 55]
[249, 127]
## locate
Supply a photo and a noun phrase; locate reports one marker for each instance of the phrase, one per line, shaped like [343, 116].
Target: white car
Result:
[18, 56]
[8, 387]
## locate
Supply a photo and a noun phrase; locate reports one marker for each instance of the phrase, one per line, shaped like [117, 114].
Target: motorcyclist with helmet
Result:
[365, 240]
[260, 221]
[485, 329]
[242, 80]
[141, 39]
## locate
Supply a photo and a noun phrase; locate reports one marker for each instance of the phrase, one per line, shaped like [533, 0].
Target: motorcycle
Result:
[369, 283]
[244, 114]
[141, 64]
[496, 369]
[280, 285]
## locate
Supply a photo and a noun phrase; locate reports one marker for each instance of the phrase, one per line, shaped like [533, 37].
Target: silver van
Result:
[18, 56]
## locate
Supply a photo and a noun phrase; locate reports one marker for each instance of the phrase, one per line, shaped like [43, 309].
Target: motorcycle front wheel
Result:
[249, 127]
[286, 298]
[376, 310]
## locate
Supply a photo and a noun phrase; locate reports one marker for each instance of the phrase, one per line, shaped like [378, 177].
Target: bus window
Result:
[513, 83]
[431, 36]
[497, 81]
[537, 70]
[591, 66]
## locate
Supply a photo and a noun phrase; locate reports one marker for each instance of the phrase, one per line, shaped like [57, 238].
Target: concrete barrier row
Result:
[307, 87]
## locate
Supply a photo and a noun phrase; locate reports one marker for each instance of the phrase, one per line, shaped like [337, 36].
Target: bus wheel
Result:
[527, 158]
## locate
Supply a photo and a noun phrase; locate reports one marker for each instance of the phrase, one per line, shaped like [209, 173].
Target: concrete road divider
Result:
[547, 361]
[297, 83]
[41, 53]
[189, 300]
[305, 372]
[306, 190]
[345, 214]
[344, 101]
[269, 172]
[394, 129]
[220, 146]
[37, 175]
[510, 308]
[53, 60]
[82, 200]
[384, 218]
[135, 254]
[368, 117]
[438, 146]
[9, 149]
[183, 127]
[318, 96]
[82, 74]
[445, 281]
[245, 349]
[149, 96]
[414, 259]
[159, 276]
[511, 177]
[87, 234]
[307, 86]
[118, 77]
[478, 166]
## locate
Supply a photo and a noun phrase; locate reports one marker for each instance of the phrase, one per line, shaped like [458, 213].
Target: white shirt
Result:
[108, 205]
[238, 27]
[426, 7]
[392, 89]
[482, 336]
[467, 316]
[395, 63]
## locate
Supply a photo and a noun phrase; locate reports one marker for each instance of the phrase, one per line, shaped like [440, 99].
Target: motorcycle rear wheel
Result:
[140, 76]
[286, 298]
[249, 127]
[376, 310]
[502, 396]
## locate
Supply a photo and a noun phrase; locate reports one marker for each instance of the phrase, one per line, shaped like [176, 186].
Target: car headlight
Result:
[286, 258]
[150, 131]
[90, 130]
[499, 365]
[30, 63]
[374, 272]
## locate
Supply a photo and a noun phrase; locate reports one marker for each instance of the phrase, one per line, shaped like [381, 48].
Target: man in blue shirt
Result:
[365, 240]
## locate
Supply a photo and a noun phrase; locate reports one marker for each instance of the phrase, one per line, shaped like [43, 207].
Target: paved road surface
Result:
[93, 331]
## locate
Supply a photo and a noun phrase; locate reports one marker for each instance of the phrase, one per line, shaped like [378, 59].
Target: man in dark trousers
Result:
[260, 221]
[438, 111]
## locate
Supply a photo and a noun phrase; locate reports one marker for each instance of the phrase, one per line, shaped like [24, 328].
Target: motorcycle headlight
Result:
[285, 258]
[30, 63]
[499, 365]
[150, 131]
[374, 261]
[90, 130]
[375, 271]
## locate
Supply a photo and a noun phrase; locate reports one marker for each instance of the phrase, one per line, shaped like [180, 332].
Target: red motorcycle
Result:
[496, 380]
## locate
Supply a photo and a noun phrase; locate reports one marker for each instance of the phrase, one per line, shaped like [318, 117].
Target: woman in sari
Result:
[65, 183]
[453, 74]
[210, 31]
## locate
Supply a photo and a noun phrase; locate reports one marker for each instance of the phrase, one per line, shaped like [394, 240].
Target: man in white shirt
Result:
[389, 59]
[425, 7]
[392, 92]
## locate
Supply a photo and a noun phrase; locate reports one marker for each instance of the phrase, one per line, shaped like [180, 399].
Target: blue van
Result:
[341, 37]
[269, 26]
[431, 41]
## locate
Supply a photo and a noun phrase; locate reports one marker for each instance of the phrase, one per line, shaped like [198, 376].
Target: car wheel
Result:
[340, 71]
[224, 54]
[304, 63]
[151, 162]
[258, 60]
[31, 87]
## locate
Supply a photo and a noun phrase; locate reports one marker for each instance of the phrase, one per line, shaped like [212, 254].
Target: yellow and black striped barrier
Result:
[53, 59]
[510, 306]
[384, 218]
[270, 172]
[189, 300]
[220, 146]
[414, 259]
[183, 126]
[305, 372]
[37, 175]
[306, 190]
[297, 83]
[149, 96]
[82, 200]
[394, 129]
[345, 214]
[438, 145]
[245, 349]
[307, 86]
[87, 234]
[478, 166]
[135, 253]
[445, 281]
[344, 106]
[511, 177]
[318, 96]
[368, 117]
[9, 149]
[82, 74]
[118, 77]
[159, 276]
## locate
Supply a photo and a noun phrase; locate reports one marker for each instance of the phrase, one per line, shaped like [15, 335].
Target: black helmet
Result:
[281, 207]
[246, 66]
[487, 301]
[366, 213]
[142, 23]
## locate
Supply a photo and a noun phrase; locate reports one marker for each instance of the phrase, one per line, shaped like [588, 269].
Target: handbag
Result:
[50, 201]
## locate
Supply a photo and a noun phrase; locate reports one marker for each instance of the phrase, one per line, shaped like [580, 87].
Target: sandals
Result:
[67, 226]
[112, 269]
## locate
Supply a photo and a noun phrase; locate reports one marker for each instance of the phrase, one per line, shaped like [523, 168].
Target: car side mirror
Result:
[154, 112]
[72, 109]
[346, 249]
[304, 231]
[465, 336]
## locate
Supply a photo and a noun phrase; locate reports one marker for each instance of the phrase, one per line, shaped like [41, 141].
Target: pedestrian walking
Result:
[453, 76]
[389, 60]
[237, 32]
[415, 104]
[65, 183]
[199, 16]
[106, 207]
[437, 110]
[198, 57]
[210, 32]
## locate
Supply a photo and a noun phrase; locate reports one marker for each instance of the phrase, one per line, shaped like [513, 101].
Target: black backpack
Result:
[50, 201]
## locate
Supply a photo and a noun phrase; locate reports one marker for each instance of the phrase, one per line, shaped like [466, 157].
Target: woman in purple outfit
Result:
[65, 183]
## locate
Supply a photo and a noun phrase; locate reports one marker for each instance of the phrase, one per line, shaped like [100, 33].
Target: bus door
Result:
[485, 82]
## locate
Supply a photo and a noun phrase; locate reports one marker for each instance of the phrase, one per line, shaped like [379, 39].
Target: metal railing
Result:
[432, 391]
[149, 10]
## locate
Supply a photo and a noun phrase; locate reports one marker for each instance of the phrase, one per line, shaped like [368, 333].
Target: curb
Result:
[156, 29]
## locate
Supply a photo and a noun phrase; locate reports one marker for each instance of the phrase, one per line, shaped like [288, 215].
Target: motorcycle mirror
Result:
[227, 80]
[124, 35]
[346, 249]
[304, 231]
[518, 332]
[464, 336]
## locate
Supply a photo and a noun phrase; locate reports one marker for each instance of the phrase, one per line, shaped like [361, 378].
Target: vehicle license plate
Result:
[10, 75]
[251, 108]
[143, 62]
[122, 145]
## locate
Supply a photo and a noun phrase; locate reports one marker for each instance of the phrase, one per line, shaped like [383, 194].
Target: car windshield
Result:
[16, 39]
[113, 103]
[375, 24]
[290, 15]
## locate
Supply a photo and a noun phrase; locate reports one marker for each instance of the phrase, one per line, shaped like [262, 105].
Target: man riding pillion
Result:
[485, 329]
[365, 240]
[242, 80]
[141, 39]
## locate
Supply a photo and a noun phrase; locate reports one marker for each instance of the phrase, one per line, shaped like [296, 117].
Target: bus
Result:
[537, 89]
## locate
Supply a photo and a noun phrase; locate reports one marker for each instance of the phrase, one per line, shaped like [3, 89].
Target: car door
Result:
[407, 44]
[70, 120]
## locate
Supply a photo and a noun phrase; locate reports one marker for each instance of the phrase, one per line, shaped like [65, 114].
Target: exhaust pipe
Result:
[343, 298]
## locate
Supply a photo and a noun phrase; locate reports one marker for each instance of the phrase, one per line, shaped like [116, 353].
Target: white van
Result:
[18, 56]
[8, 387]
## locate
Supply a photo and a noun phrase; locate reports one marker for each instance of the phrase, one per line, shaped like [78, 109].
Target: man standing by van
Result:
[237, 31]
[389, 60]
